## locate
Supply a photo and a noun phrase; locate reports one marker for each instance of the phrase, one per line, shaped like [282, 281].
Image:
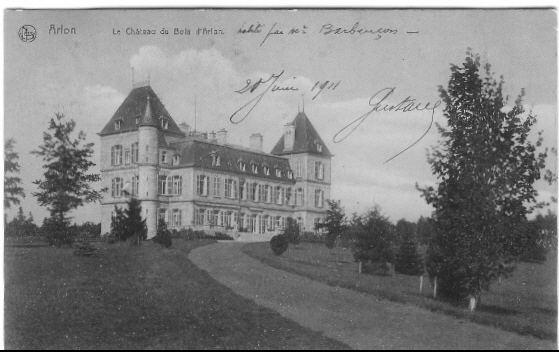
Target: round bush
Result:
[279, 244]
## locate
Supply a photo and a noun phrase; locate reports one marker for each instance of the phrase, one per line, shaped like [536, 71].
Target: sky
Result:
[87, 75]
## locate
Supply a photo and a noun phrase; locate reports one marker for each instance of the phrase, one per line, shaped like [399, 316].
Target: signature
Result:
[377, 103]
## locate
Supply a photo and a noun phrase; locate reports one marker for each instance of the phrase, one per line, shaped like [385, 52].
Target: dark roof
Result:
[135, 106]
[306, 139]
[198, 153]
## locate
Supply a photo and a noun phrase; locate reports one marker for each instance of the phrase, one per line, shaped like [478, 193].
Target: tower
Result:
[310, 161]
[148, 165]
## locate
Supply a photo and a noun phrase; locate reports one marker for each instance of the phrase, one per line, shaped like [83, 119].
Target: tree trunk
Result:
[421, 284]
[473, 303]
[360, 266]
[435, 288]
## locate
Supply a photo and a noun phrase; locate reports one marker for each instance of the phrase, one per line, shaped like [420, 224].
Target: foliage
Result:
[541, 237]
[134, 224]
[425, 229]
[12, 184]
[21, 226]
[334, 222]
[312, 237]
[374, 238]
[223, 236]
[89, 231]
[292, 231]
[408, 260]
[163, 235]
[66, 184]
[58, 232]
[86, 249]
[486, 167]
[279, 244]
[118, 225]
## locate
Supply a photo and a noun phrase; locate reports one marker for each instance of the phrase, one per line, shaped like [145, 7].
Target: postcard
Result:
[280, 178]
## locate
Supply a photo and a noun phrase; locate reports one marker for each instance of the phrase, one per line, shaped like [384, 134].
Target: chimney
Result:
[212, 136]
[185, 128]
[288, 136]
[256, 141]
[222, 136]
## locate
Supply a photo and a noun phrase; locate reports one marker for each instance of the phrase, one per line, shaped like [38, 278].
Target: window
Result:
[177, 185]
[267, 170]
[164, 157]
[242, 166]
[262, 193]
[299, 196]
[176, 221]
[135, 184]
[288, 198]
[135, 150]
[230, 188]
[318, 170]
[199, 216]
[280, 194]
[243, 191]
[289, 174]
[118, 125]
[176, 159]
[254, 168]
[318, 198]
[162, 214]
[298, 169]
[300, 223]
[278, 173]
[254, 192]
[162, 189]
[217, 186]
[127, 156]
[316, 222]
[116, 155]
[164, 123]
[268, 193]
[116, 190]
[202, 185]
[318, 147]
[216, 159]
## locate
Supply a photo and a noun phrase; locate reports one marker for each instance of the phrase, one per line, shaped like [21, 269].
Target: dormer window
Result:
[164, 157]
[254, 168]
[289, 174]
[176, 159]
[278, 173]
[243, 166]
[118, 125]
[216, 159]
[164, 123]
[319, 147]
[267, 170]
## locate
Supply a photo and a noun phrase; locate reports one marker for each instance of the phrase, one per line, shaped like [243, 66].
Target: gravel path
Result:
[356, 319]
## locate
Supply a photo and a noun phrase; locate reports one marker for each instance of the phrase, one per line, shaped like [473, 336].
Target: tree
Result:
[118, 224]
[163, 235]
[408, 260]
[66, 184]
[135, 226]
[334, 222]
[486, 167]
[292, 231]
[12, 184]
[374, 238]
[424, 230]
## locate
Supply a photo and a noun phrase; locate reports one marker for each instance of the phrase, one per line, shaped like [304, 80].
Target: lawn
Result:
[526, 303]
[134, 298]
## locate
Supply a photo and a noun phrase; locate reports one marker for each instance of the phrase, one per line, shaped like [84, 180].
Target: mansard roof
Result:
[136, 105]
[198, 153]
[306, 139]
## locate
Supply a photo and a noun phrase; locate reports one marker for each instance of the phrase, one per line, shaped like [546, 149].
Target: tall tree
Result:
[292, 231]
[12, 184]
[66, 184]
[334, 222]
[486, 167]
[135, 226]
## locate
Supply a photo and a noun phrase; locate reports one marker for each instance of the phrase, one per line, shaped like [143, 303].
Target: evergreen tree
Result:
[408, 260]
[12, 184]
[118, 225]
[334, 222]
[163, 235]
[374, 238]
[292, 231]
[486, 167]
[66, 184]
[135, 226]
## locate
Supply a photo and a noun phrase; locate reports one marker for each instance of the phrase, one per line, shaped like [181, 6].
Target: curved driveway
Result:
[348, 316]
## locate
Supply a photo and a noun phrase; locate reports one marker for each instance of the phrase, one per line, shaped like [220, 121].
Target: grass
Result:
[135, 298]
[525, 303]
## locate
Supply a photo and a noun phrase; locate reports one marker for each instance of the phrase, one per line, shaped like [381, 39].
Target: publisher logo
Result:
[27, 33]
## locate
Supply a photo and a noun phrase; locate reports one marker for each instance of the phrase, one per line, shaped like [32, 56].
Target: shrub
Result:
[57, 232]
[292, 231]
[223, 237]
[163, 235]
[311, 237]
[86, 249]
[408, 260]
[279, 244]
[111, 238]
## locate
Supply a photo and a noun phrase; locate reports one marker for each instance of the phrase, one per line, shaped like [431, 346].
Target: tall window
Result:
[162, 189]
[116, 155]
[280, 195]
[127, 156]
[164, 157]
[243, 191]
[135, 184]
[217, 186]
[162, 215]
[177, 221]
[319, 198]
[135, 153]
[299, 196]
[298, 169]
[319, 170]
[177, 185]
[254, 192]
[288, 196]
[230, 188]
[268, 193]
[262, 193]
[199, 216]
[116, 189]
[202, 185]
